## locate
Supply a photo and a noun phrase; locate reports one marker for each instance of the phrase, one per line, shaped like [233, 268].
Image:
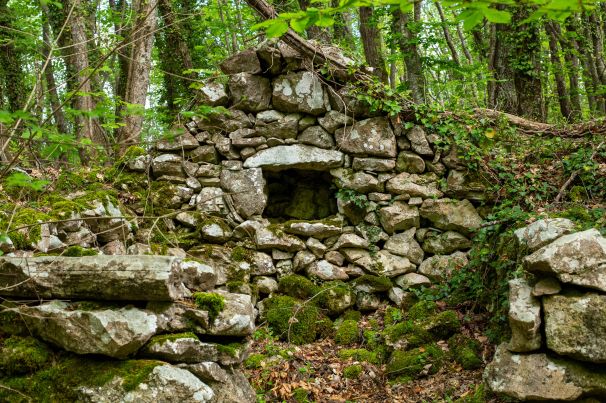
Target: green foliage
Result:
[22, 180]
[349, 195]
[360, 354]
[254, 361]
[78, 251]
[347, 333]
[211, 302]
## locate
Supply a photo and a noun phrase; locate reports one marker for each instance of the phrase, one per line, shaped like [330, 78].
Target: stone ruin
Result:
[557, 317]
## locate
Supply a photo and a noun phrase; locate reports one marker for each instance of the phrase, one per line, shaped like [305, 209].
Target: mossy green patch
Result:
[232, 349]
[22, 355]
[79, 251]
[377, 283]
[301, 395]
[297, 286]
[23, 231]
[347, 333]
[466, 351]
[408, 333]
[360, 354]
[422, 310]
[352, 371]
[351, 315]
[294, 320]
[392, 315]
[211, 302]
[254, 361]
[442, 325]
[241, 254]
[406, 365]
[163, 338]
[335, 297]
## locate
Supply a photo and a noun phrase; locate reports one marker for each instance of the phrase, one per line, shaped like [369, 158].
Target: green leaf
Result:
[277, 29]
[497, 16]
[325, 21]
[6, 117]
[471, 18]
[299, 24]
[22, 180]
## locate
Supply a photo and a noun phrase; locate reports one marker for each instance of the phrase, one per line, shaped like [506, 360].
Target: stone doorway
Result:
[296, 194]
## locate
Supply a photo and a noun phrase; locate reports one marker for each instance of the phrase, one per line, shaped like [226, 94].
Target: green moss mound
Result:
[406, 365]
[352, 371]
[392, 315]
[442, 325]
[171, 337]
[79, 251]
[297, 287]
[254, 361]
[22, 355]
[300, 395]
[336, 297]
[422, 310]
[411, 334]
[347, 333]
[466, 351]
[351, 315]
[377, 283]
[211, 302]
[360, 354]
[294, 320]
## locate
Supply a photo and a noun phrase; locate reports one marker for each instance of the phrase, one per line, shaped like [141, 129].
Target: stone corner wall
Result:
[557, 350]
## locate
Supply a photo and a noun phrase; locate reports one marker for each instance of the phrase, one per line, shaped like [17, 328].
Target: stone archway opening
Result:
[296, 194]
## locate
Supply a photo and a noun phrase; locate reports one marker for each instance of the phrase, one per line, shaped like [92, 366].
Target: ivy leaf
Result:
[497, 16]
[277, 29]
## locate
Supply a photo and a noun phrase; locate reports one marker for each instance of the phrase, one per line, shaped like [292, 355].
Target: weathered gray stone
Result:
[367, 302]
[316, 136]
[303, 259]
[467, 185]
[402, 299]
[197, 276]
[229, 121]
[177, 139]
[108, 331]
[532, 377]
[334, 120]
[334, 257]
[316, 247]
[368, 137]
[524, 317]
[295, 156]
[546, 286]
[267, 239]
[235, 389]
[92, 277]
[187, 349]
[411, 281]
[299, 92]
[213, 94]
[381, 264]
[454, 215]
[410, 162]
[351, 241]
[362, 182]
[413, 185]
[140, 163]
[326, 271]
[307, 121]
[284, 128]
[262, 264]
[237, 317]
[399, 217]
[207, 371]
[404, 244]
[578, 259]
[242, 62]
[167, 164]
[247, 190]
[542, 232]
[439, 268]
[373, 164]
[206, 153]
[317, 229]
[418, 141]
[446, 243]
[575, 326]
[215, 230]
[249, 93]
[269, 116]
[266, 285]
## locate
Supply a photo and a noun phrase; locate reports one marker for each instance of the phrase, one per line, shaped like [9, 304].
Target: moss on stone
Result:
[231, 349]
[347, 333]
[79, 251]
[351, 315]
[254, 361]
[409, 333]
[241, 254]
[11, 322]
[442, 325]
[378, 283]
[22, 355]
[25, 217]
[406, 365]
[392, 316]
[297, 286]
[360, 354]
[466, 351]
[422, 310]
[211, 302]
[352, 371]
[293, 320]
[334, 296]
[163, 338]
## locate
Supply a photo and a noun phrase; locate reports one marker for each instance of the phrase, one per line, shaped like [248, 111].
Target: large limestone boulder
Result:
[524, 317]
[542, 232]
[114, 332]
[414, 185]
[165, 383]
[532, 377]
[576, 326]
[300, 92]
[578, 259]
[453, 215]
[368, 137]
[398, 217]
[249, 93]
[298, 156]
[247, 190]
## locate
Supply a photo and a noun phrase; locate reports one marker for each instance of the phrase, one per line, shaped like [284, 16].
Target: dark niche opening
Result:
[299, 194]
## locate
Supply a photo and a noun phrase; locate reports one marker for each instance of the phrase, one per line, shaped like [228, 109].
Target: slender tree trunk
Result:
[557, 68]
[11, 71]
[142, 37]
[406, 27]
[453, 50]
[570, 48]
[464, 46]
[342, 32]
[371, 41]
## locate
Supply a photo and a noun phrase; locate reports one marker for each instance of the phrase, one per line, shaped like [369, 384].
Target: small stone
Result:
[399, 217]
[205, 153]
[316, 136]
[402, 299]
[316, 247]
[411, 281]
[404, 244]
[299, 92]
[358, 181]
[242, 62]
[303, 259]
[546, 286]
[334, 257]
[213, 94]
[418, 141]
[454, 215]
[373, 164]
[266, 285]
[167, 164]
[524, 317]
[350, 241]
[249, 93]
[326, 271]
[197, 276]
[446, 243]
[114, 248]
[334, 120]
[372, 136]
[542, 232]
[440, 268]
[179, 139]
[414, 185]
[410, 162]
[278, 254]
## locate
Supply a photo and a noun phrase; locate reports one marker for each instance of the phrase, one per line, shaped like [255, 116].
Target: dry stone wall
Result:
[557, 348]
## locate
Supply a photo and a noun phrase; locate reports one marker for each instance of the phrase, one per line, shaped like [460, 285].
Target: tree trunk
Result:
[142, 39]
[11, 72]
[557, 67]
[453, 50]
[110, 278]
[371, 41]
[408, 47]
[342, 32]
[570, 48]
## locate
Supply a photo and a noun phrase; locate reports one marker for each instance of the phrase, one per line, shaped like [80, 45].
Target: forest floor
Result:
[315, 373]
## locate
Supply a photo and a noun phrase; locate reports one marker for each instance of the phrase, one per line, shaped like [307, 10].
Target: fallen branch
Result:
[574, 175]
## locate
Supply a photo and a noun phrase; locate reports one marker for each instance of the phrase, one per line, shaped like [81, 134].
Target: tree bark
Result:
[453, 50]
[110, 278]
[371, 41]
[403, 22]
[11, 72]
[556, 64]
[142, 39]
[570, 48]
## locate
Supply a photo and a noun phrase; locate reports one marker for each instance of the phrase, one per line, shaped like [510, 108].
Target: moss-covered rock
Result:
[465, 351]
[78, 251]
[442, 325]
[360, 354]
[351, 315]
[22, 355]
[406, 334]
[347, 333]
[392, 316]
[422, 310]
[406, 365]
[210, 302]
[352, 371]
[254, 361]
[370, 283]
[297, 286]
[336, 297]
[294, 320]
